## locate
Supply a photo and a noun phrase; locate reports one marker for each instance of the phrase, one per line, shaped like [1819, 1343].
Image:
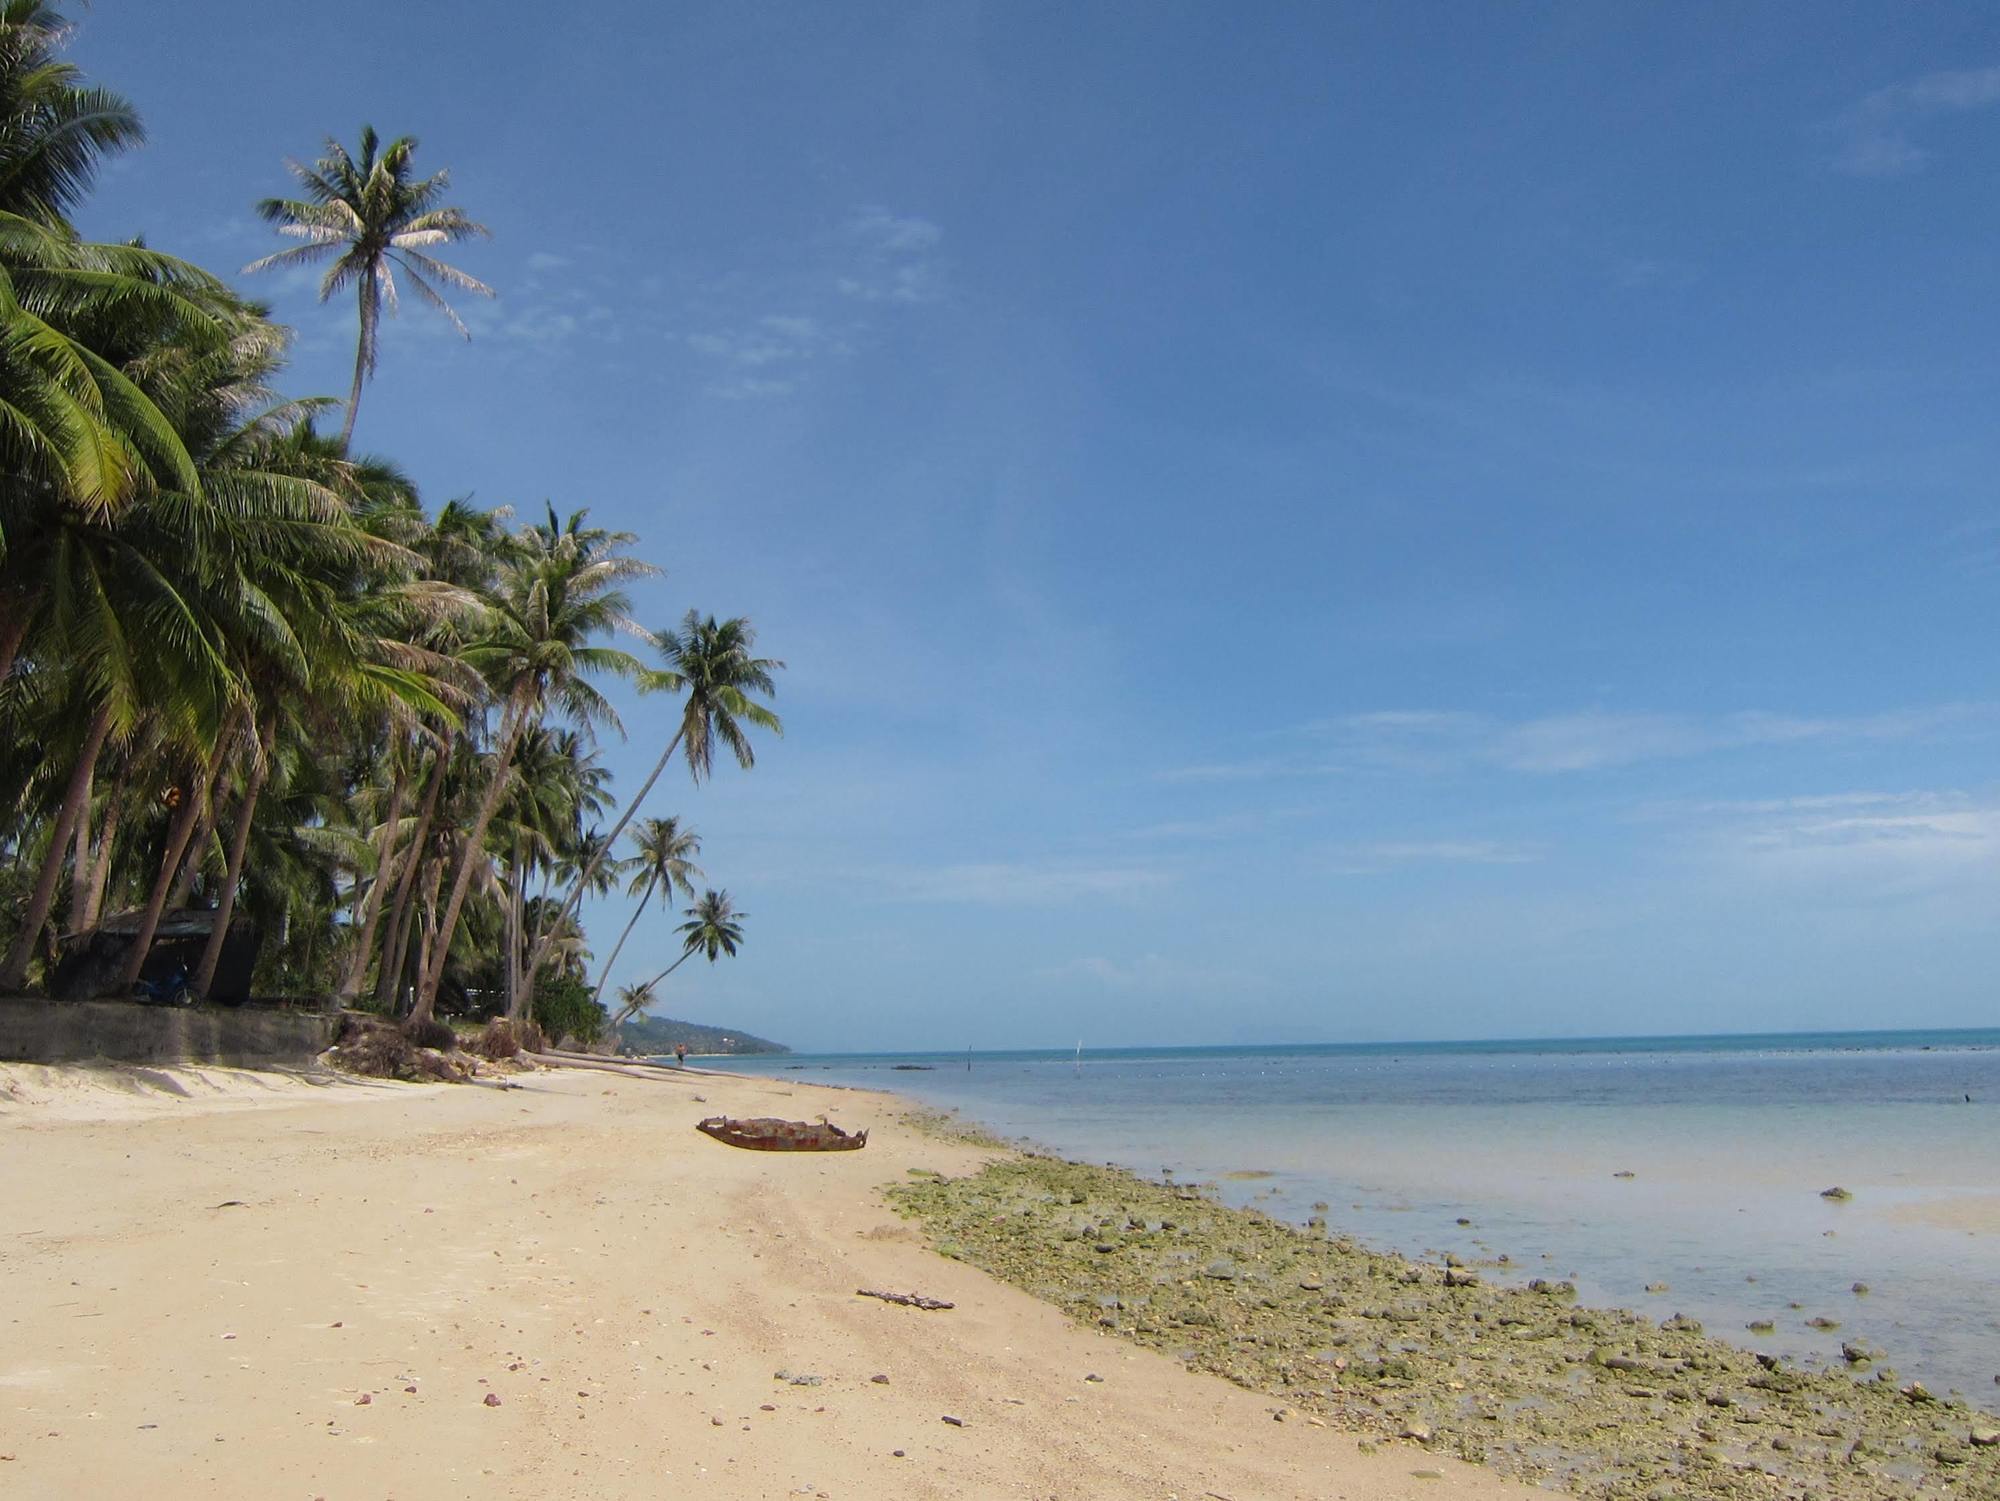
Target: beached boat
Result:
[768, 1134]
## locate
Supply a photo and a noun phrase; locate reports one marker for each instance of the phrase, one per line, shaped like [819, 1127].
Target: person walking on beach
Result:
[681, 1054]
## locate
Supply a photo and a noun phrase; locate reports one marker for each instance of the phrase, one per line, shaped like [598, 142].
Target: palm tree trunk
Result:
[510, 892]
[100, 874]
[371, 904]
[389, 974]
[575, 899]
[203, 797]
[667, 971]
[178, 834]
[428, 925]
[396, 952]
[79, 870]
[239, 842]
[475, 840]
[605, 978]
[75, 798]
[360, 369]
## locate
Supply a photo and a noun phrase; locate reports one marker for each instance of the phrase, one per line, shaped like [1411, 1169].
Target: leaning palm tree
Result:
[714, 927]
[666, 857]
[372, 217]
[712, 660]
[632, 999]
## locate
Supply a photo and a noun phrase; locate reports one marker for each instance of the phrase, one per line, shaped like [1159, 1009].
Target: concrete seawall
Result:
[39, 1031]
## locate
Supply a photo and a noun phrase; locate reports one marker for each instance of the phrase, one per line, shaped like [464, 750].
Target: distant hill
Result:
[658, 1034]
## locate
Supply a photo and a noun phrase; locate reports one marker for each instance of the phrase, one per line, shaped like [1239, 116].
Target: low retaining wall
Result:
[38, 1031]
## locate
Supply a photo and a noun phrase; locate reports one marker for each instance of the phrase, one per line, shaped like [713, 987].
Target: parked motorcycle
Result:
[172, 990]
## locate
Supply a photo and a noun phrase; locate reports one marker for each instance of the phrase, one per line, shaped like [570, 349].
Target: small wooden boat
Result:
[768, 1134]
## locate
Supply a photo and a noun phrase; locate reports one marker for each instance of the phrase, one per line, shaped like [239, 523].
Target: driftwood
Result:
[908, 1300]
[629, 1070]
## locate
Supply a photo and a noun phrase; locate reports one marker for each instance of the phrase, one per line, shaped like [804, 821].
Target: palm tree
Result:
[559, 593]
[712, 660]
[56, 130]
[372, 218]
[666, 857]
[713, 927]
[632, 999]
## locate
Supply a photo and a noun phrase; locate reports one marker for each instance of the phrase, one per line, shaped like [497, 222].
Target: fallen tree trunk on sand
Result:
[630, 1070]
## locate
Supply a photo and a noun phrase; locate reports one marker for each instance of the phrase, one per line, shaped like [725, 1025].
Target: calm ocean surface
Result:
[1728, 1141]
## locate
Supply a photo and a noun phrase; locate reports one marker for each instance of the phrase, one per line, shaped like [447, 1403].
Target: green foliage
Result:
[564, 1008]
[243, 668]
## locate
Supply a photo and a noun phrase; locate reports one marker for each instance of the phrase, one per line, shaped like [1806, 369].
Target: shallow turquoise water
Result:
[1727, 1141]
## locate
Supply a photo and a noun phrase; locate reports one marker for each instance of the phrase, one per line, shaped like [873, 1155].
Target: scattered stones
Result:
[1417, 1432]
[1680, 1323]
[955, 1422]
[1822, 1322]
[1857, 1352]
[1860, 1289]
[1598, 1403]
[1625, 1173]
[879, 1379]
[365, 1399]
[1761, 1326]
[1984, 1435]
[492, 1399]
[1658, 1287]
[1837, 1194]
[1093, 1376]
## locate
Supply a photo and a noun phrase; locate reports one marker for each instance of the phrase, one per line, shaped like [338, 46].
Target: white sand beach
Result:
[226, 1284]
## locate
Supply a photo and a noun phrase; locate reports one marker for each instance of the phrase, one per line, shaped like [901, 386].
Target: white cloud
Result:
[1875, 135]
[1577, 741]
[763, 356]
[891, 233]
[544, 260]
[894, 258]
[1875, 843]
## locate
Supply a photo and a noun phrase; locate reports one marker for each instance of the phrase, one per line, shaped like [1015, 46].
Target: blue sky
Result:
[1287, 523]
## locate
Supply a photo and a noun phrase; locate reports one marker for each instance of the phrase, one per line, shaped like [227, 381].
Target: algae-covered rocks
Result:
[1600, 1403]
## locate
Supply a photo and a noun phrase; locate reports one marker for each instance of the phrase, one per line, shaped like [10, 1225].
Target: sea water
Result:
[1671, 1175]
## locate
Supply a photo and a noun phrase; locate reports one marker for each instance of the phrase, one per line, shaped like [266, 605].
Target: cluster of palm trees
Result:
[243, 669]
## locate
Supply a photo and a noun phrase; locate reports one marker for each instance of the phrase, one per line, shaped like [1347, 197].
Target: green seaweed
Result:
[1603, 1402]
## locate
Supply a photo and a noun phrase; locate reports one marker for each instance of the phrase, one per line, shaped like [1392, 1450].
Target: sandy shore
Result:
[222, 1285]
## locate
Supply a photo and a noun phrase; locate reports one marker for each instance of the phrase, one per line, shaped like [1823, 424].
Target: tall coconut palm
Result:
[372, 217]
[665, 858]
[711, 659]
[554, 598]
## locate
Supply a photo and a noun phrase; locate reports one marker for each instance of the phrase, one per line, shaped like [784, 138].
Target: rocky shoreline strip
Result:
[1602, 1402]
